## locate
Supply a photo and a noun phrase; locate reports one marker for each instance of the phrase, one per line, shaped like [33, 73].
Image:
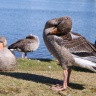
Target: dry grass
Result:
[35, 77]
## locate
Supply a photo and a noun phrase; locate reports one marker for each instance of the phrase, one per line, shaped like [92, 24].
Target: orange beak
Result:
[54, 31]
[1, 45]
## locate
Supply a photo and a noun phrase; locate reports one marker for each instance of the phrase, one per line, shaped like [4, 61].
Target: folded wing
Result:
[79, 46]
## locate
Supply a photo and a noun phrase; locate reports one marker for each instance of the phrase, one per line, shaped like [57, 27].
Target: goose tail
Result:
[85, 64]
[94, 44]
[10, 48]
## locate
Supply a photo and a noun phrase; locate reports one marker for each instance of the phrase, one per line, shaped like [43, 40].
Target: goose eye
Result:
[62, 30]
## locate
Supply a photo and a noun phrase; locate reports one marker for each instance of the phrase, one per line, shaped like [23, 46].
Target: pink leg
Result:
[69, 73]
[23, 55]
[66, 75]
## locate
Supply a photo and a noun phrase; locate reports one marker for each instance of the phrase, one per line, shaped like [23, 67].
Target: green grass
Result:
[35, 77]
[38, 65]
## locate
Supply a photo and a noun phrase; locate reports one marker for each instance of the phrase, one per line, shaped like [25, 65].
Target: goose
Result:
[8, 61]
[29, 44]
[69, 48]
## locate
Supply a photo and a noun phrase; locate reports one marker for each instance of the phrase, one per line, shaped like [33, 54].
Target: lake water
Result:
[19, 18]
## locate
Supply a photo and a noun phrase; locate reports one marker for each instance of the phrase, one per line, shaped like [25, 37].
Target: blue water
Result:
[19, 18]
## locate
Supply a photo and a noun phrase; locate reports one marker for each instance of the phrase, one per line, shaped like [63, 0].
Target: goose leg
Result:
[66, 75]
[69, 73]
[23, 54]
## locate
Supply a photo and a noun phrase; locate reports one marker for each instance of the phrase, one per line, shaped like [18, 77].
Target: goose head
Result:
[30, 36]
[4, 41]
[63, 27]
[34, 38]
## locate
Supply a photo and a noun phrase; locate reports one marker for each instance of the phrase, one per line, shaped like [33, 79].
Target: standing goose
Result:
[68, 47]
[29, 44]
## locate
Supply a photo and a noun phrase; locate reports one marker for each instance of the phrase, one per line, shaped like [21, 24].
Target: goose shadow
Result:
[81, 69]
[40, 79]
[41, 59]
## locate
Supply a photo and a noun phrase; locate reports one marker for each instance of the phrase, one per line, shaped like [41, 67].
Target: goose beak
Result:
[1, 45]
[54, 31]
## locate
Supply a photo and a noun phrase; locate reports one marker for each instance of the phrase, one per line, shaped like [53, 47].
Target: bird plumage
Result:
[68, 47]
[29, 44]
[75, 43]
[79, 45]
[80, 49]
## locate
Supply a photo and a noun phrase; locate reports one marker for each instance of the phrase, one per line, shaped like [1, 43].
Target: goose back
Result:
[28, 44]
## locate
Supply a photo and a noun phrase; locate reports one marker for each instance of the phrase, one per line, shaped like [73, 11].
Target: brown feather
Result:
[78, 45]
[30, 43]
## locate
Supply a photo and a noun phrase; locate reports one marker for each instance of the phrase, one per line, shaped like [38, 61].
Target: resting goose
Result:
[29, 44]
[68, 47]
[8, 61]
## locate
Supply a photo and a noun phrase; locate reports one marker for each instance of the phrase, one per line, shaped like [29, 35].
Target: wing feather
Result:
[78, 45]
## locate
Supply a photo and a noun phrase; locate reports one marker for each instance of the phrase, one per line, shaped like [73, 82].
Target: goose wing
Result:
[15, 45]
[20, 44]
[78, 45]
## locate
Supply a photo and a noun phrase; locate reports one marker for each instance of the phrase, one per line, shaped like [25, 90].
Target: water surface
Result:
[19, 18]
